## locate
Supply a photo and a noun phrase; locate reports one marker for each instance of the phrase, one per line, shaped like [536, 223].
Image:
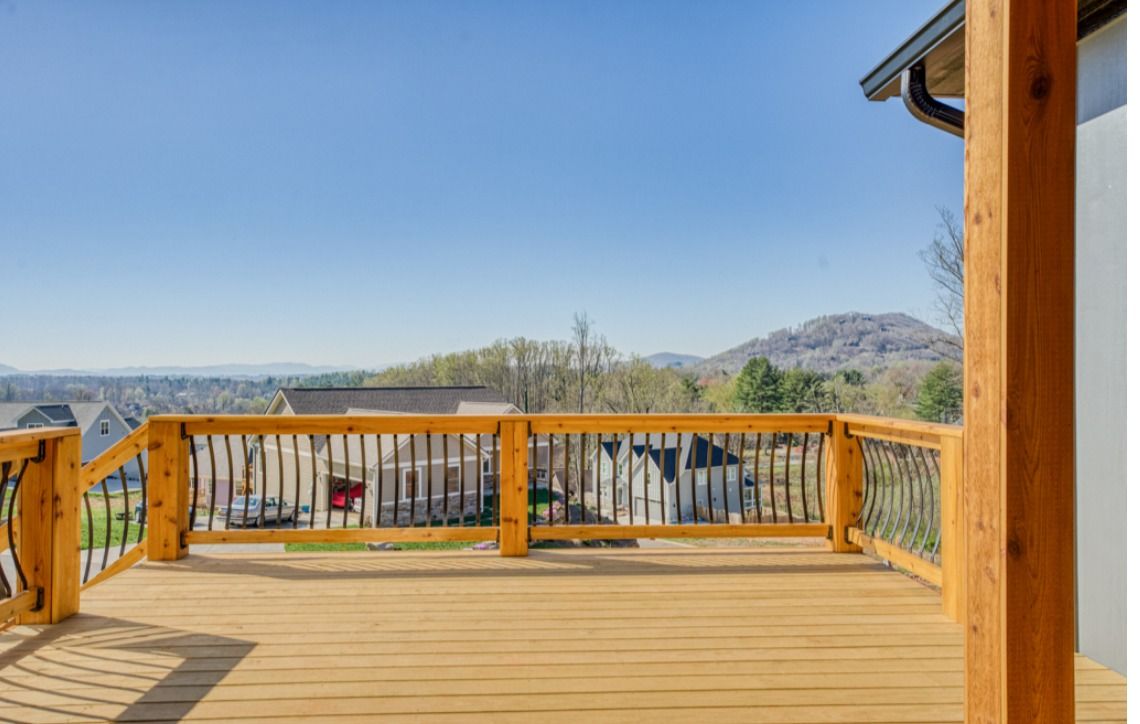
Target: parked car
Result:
[355, 493]
[240, 513]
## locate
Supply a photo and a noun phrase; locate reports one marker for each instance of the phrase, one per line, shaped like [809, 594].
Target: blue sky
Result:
[363, 183]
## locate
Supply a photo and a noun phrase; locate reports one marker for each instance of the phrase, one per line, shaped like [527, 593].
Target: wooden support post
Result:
[1019, 470]
[844, 486]
[513, 516]
[49, 529]
[168, 494]
[953, 528]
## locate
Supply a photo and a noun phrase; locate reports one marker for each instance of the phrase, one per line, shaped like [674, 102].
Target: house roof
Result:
[405, 400]
[719, 457]
[940, 44]
[61, 414]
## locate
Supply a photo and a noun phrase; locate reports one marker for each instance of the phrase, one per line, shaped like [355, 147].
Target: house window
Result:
[411, 483]
[731, 474]
[104, 428]
[452, 479]
[35, 425]
[605, 467]
[749, 498]
[702, 477]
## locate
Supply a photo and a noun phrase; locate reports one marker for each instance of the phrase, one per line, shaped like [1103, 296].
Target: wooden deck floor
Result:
[656, 635]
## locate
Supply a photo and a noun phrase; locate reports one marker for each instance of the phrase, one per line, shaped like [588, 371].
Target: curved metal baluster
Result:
[566, 477]
[758, 494]
[897, 475]
[921, 499]
[264, 481]
[143, 485]
[399, 481]
[463, 480]
[932, 507]
[281, 481]
[772, 472]
[693, 475]
[911, 475]
[107, 527]
[230, 463]
[628, 477]
[884, 492]
[5, 473]
[446, 492]
[213, 484]
[128, 514]
[313, 481]
[415, 481]
[194, 470]
[787, 477]
[348, 480]
[723, 471]
[328, 482]
[803, 477]
[90, 544]
[869, 488]
[11, 532]
[819, 477]
[247, 490]
[613, 477]
[364, 478]
[297, 482]
[581, 478]
[378, 521]
[740, 475]
[936, 516]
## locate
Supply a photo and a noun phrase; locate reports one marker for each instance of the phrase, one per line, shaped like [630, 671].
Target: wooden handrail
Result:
[906, 432]
[114, 457]
[549, 424]
[17, 445]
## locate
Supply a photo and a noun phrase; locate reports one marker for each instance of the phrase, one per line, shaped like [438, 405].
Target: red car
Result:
[354, 493]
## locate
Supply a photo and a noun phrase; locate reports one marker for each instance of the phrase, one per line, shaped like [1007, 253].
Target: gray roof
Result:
[61, 414]
[940, 44]
[407, 400]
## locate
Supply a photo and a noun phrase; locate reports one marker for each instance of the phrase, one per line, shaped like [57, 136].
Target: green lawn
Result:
[102, 522]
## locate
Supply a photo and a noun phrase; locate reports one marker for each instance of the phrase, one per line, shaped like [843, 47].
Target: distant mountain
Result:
[840, 341]
[670, 359]
[270, 369]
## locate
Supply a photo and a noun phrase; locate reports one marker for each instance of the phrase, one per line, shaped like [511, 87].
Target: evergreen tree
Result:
[940, 394]
[758, 387]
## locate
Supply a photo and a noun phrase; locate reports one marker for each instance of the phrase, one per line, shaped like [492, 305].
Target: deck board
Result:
[657, 635]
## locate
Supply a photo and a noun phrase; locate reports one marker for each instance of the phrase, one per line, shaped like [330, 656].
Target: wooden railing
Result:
[911, 492]
[39, 493]
[890, 487]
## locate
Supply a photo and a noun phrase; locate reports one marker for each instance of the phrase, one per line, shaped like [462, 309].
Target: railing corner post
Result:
[49, 529]
[513, 518]
[844, 486]
[168, 499]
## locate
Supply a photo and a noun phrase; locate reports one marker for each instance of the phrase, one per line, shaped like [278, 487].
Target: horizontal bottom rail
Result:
[924, 569]
[708, 530]
[14, 606]
[345, 535]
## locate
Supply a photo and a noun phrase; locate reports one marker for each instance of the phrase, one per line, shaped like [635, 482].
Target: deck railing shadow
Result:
[35, 687]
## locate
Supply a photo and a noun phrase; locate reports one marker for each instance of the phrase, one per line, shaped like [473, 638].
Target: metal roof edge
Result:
[934, 31]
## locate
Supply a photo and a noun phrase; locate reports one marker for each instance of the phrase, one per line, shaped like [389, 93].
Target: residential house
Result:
[702, 480]
[389, 476]
[100, 424]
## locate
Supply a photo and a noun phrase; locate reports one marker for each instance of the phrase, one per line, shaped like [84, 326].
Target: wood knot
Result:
[1040, 85]
[1013, 547]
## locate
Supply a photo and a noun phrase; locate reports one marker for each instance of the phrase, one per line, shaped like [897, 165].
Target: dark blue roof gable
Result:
[719, 458]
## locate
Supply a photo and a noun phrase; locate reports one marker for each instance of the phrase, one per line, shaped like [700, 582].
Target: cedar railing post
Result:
[168, 497]
[49, 529]
[953, 529]
[844, 486]
[513, 517]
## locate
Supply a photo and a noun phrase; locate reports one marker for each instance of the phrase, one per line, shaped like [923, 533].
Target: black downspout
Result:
[925, 107]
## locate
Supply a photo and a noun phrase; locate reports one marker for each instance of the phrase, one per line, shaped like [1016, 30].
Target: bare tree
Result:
[944, 262]
[591, 356]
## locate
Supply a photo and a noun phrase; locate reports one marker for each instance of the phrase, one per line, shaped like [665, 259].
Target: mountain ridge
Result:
[851, 340]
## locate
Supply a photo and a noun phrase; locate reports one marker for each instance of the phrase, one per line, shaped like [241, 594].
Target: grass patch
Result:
[324, 547]
[104, 523]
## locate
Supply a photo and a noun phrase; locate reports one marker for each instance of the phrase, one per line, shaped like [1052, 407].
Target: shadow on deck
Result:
[625, 635]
